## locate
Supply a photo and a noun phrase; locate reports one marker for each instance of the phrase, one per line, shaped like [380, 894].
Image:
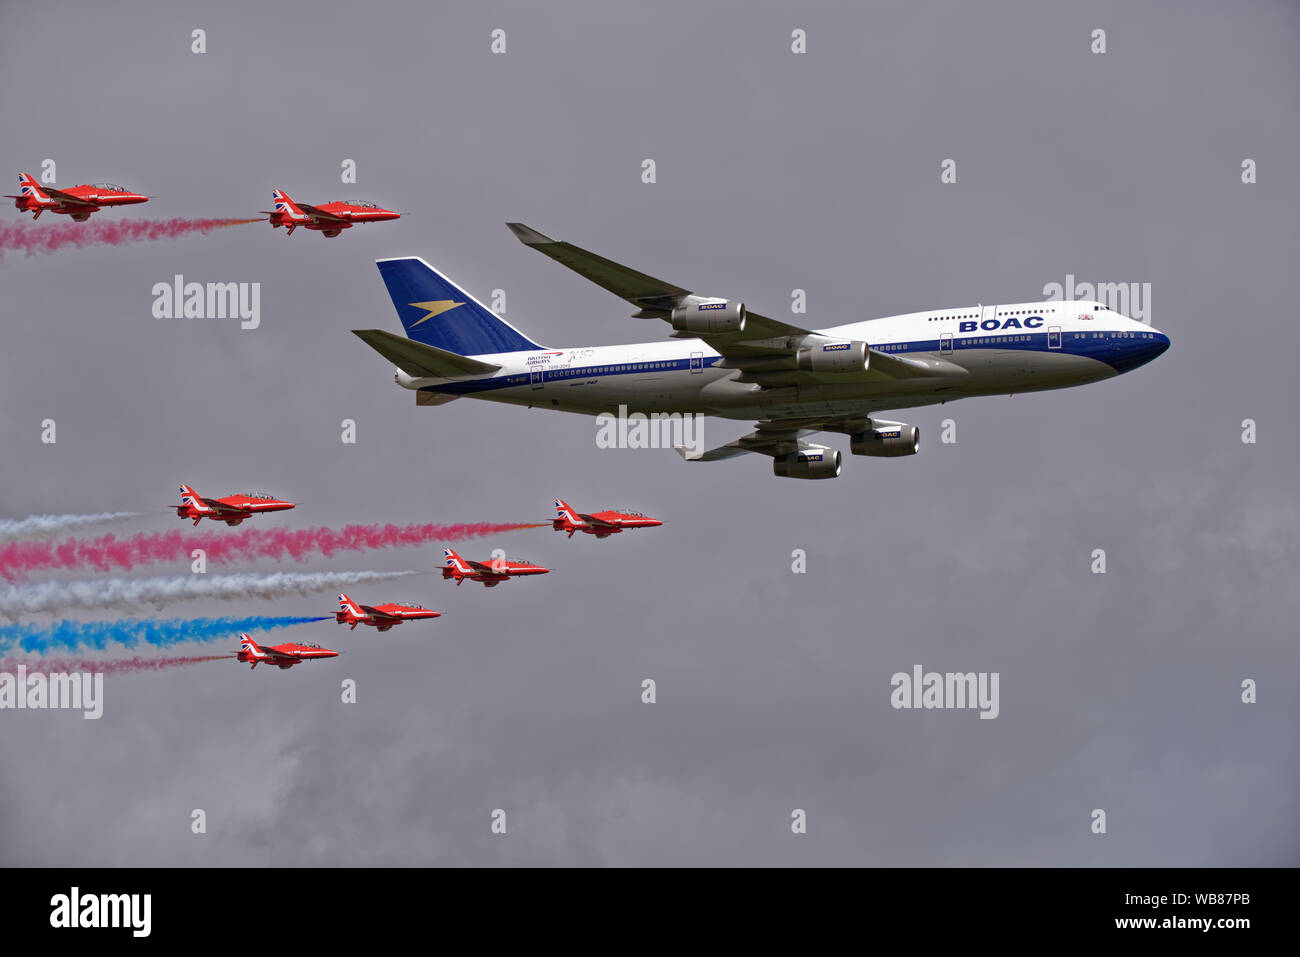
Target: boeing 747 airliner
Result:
[724, 360]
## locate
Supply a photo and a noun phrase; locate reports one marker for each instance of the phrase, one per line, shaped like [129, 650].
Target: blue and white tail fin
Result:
[437, 312]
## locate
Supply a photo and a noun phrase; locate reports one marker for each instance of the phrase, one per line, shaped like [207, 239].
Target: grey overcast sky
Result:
[775, 171]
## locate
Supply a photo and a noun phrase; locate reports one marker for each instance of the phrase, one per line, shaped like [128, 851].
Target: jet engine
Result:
[847, 356]
[886, 441]
[703, 316]
[811, 464]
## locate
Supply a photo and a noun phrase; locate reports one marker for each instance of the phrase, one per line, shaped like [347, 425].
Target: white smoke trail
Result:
[129, 593]
[39, 526]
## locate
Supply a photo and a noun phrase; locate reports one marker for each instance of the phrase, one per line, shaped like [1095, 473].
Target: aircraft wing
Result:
[226, 508]
[592, 520]
[764, 352]
[63, 197]
[774, 438]
[321, 216]
[274, 656]
[779, 438]
[653, 297]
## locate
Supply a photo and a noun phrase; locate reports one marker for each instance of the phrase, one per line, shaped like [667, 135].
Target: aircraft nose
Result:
[1140, 351]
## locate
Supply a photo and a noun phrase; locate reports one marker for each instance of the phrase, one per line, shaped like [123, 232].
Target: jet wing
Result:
[653, 297]
[593, 520]
[320, 216]
[764, 353]
[63, 197]
[226, 507]
[276, 656]
[768, 438]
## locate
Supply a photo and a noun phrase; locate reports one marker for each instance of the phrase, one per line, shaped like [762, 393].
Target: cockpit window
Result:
[114, 188]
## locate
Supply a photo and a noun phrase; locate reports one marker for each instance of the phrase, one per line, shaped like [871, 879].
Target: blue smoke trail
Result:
[157, 632]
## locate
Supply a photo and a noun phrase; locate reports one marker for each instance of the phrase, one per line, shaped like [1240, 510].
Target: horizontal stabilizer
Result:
[417, 359]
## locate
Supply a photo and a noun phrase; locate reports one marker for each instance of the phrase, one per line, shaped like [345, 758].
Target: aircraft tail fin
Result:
[437, 312]
[29, 187]
[285, 204]
[455, 562]
[564, 512]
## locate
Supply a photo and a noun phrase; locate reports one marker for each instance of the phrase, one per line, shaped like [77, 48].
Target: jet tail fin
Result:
[284, 203]
[436, 312]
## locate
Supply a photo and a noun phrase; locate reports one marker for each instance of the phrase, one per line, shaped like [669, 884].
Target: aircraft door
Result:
[990, 312]
[535, 378]
[945, 342]
[1053, 337]
[697, 362]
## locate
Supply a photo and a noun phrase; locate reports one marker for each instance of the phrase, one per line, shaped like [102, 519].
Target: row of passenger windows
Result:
[1015, 312]
[596, 370]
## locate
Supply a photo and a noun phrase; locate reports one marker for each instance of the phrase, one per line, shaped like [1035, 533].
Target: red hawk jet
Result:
[381, 617]
[232, 509]
[489, 573]
[600, 524]
[330, 218]
[282, 656]
[75, 201]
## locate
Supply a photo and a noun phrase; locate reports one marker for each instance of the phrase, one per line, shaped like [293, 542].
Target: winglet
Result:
[529, 236]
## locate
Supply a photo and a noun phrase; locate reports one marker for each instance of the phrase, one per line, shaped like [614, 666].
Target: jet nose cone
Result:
[1140, 351]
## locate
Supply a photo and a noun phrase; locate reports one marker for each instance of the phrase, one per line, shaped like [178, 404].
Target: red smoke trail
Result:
[31, 238]
[108, 552]
[108, 666]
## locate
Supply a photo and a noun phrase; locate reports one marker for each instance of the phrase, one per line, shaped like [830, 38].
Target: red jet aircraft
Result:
[330, 219]
[600, 524]
[489, 573]
[282, 656]
[76, 201]
[232, 509]
[382, 617]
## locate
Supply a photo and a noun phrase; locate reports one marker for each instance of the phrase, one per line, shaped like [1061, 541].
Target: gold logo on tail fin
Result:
[435, 308]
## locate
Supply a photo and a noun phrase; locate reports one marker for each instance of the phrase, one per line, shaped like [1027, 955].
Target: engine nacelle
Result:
[888, 441]
[847, 356]
[703, 316]
[813, 464]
